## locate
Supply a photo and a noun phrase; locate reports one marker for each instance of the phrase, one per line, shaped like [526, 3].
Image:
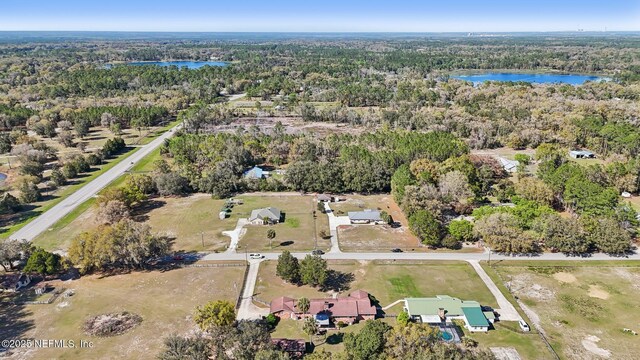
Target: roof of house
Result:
[282, 304]
[356, 304]
[324, 197]
[270, 213]
[430, 306]
[290, 345]
[475, 317]
[489, 314]
[370, 215]
[254, 173]
[508, 165]
[581, 152]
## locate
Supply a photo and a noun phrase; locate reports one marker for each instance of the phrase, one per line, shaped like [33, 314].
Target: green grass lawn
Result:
[577, 303]
[387, 281]
[299, 231]
[507, 334]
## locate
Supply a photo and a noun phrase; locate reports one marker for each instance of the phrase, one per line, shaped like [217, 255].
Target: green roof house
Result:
[444, 308]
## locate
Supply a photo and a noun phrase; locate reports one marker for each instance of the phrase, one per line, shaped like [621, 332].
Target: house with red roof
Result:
[349, 310]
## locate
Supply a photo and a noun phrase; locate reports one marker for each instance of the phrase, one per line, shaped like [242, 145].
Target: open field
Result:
[299, 232]
[188, 220]
[388, 281]
[582, 308]
[372, 238]
[165, 300]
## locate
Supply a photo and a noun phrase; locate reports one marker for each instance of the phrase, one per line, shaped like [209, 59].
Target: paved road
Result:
[427, 256]
[57, 212]
[236, 234]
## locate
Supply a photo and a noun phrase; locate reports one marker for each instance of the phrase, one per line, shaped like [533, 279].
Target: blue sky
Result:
[320, 15]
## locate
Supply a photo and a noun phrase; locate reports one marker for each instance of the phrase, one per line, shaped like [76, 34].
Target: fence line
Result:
[244, 283]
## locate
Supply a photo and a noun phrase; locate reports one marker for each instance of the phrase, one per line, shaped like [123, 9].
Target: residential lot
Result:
[194, 224]
[164, 300]
[300, 230]
[391, 281]
[582, 308]
[370, 237]
[388, 281]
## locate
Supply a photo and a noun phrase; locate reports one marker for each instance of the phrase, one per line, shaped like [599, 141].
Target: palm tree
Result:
[310, 327]
[304, 304]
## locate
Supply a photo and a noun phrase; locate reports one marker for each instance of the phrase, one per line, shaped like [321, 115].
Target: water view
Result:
[187, 64]
[571, 79]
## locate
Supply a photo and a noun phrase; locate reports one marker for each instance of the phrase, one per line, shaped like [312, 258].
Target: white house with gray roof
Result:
[366, 217]
[264, 216]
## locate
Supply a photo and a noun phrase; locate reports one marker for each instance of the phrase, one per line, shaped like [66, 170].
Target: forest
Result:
[399, 122]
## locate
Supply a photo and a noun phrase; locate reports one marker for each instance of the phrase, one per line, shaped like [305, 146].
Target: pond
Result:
[572, 79]
[3, 177]
[187, 64]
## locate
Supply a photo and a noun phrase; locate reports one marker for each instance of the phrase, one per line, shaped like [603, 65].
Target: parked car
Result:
[396, 250]
[317, 252]
[524, 326]
[256, 256]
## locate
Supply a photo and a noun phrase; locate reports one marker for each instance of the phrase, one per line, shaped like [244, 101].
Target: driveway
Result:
[247, 310]
[507, 311]
[89, 190]
[236, 234]
[334, 222]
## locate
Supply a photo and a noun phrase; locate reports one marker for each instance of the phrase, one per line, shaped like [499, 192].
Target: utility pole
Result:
[202, 237]
[489, 256]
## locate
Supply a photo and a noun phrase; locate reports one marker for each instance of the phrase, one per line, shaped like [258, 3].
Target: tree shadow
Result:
[14, 321]
[286, 243]
[335, 338]
[140, 212]
[337, 281]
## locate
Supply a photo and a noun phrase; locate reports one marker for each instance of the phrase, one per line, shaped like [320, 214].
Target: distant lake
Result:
[532, 78]
[187, 64]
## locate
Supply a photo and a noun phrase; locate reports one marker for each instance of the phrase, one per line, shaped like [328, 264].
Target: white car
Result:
[256, 256]
[524, 326]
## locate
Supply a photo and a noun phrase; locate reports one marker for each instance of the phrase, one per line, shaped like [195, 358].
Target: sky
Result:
[321, 15]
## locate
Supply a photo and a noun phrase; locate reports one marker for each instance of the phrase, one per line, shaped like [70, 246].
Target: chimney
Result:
[441, 314]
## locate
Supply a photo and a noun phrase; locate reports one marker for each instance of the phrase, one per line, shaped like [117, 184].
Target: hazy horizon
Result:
[330, 16]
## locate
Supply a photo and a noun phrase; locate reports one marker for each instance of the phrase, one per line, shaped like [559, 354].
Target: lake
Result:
[532, 78]
[187, 64]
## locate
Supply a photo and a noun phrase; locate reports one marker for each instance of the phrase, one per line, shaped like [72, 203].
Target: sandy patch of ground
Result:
[565, 277]
[596, 291]
[503, 353]
[523, 285]
[633, 278]
[590, 343]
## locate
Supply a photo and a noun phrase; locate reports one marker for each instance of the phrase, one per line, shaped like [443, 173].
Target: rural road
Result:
[428, 256]
[64, 207]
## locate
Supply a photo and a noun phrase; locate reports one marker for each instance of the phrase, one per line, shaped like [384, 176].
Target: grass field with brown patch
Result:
[165, 300]
[581, 308]
[300, 230]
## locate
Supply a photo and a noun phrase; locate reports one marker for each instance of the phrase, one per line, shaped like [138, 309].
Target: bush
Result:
[69, 171]
[57, 177]
[29, 191]
[93, 160]
[111, 324]
[341, 324]
[271, 320]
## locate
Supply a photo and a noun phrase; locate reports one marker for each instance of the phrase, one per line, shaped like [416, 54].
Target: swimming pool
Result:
[446, 336]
